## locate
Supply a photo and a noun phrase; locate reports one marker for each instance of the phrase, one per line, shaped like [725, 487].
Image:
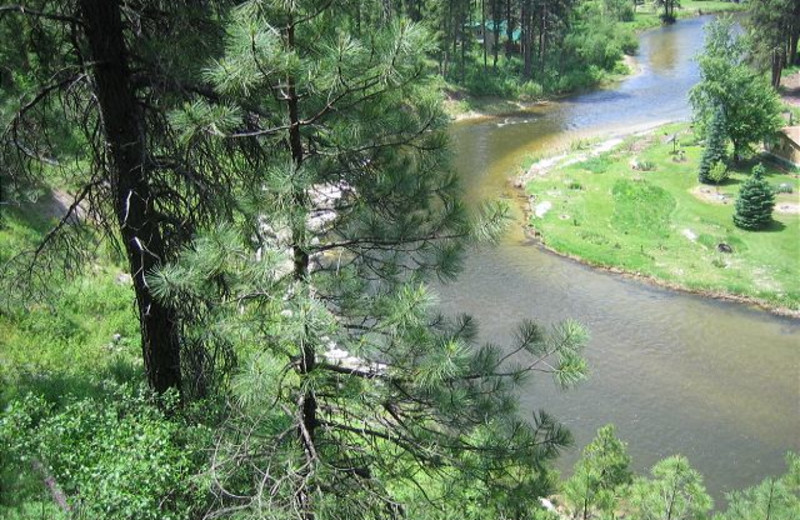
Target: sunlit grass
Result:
[656, 223]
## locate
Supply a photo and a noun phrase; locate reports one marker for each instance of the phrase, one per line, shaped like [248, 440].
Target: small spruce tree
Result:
[714, 151]
[756, 199]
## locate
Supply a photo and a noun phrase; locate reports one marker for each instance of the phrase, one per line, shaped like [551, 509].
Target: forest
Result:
[223, 229]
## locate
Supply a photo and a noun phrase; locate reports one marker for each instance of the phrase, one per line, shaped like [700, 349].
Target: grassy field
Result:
[661, 223]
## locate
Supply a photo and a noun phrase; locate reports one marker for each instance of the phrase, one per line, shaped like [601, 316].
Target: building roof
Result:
[793, 133]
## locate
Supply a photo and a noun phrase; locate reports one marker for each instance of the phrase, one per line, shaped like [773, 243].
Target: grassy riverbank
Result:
[649, 16]
[656, 221]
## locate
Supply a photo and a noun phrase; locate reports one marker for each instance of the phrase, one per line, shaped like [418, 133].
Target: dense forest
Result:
[219, 226]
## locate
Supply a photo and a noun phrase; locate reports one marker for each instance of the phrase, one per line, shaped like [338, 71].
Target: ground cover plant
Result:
[662, 223]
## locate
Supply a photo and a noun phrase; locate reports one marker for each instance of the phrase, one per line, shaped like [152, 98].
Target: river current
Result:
[715, 381]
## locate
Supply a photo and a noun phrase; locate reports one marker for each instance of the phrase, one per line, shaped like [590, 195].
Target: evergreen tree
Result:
[96, 80]
[599, 476]
[354, 396]
[675, 492]
[774, 27]
[776, 498]
[714, 151]
[753, 210]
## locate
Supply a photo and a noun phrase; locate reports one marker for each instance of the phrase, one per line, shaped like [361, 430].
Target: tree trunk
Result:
[496, 31]
[777, 68]
[138, 221]
[527, 38]
[509, 31]
[483, 31]
[308, 360]
[543, 36]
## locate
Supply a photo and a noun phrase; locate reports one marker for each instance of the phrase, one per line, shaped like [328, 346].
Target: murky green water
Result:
[715, 381]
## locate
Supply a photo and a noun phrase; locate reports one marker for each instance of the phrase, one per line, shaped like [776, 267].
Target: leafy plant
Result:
[119, 457]
[718, 173]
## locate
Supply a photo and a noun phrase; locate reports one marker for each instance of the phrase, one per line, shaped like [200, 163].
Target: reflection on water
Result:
[665, 57]
[717, 382]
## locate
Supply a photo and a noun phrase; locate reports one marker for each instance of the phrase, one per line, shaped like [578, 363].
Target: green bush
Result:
[718, 173]
[120, 457]
[530, 91]
[598, 164]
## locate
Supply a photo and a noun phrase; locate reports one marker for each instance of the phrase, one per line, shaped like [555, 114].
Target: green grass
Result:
[71, 330]
[61, 346]
[609, 214]
[648, 16]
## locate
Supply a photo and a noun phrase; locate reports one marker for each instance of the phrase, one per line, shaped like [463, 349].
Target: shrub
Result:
[116, 458]
[596, 164]
[783, 187]
[754, 205]
[718, 173]
[646, 166]
[530, 91]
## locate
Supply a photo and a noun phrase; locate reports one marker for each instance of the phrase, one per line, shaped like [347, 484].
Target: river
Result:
[715, 381]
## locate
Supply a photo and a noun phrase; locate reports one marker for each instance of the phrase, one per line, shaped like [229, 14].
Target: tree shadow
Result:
[775, 226]
[58, 387]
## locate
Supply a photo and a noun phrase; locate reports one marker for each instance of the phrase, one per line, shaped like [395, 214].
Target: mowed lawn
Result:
[658, 223]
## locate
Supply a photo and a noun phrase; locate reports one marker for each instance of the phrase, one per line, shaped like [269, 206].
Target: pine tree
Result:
[776, 498]
[354, 397]
[714, 151]
[97, 80]
[753, 210]
[599, 476]
[676, 492]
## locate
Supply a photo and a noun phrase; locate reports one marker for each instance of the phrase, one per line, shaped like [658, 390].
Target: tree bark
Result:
[138, 221]
[496, 31]
[308, 361]
[527, 38]
[777, 68]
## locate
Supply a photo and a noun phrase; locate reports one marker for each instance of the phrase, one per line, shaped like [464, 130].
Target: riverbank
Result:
[649, 17]
[461, 105]
[633, 206]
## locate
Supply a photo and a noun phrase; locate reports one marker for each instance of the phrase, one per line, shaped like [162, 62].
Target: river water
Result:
[715, 381]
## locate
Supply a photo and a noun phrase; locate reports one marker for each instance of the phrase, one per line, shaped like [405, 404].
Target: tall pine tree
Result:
[354, 397]
[95, 81]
